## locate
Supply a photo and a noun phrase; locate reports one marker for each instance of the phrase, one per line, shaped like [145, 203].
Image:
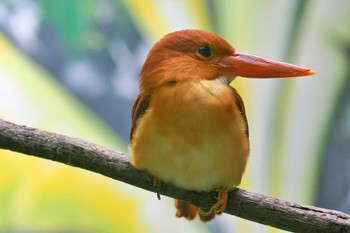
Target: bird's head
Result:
[189, 55]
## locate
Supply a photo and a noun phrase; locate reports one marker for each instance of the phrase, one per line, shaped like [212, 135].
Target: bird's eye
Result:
[204, 51]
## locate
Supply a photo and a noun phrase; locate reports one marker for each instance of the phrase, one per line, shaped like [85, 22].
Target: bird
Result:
[189, 125]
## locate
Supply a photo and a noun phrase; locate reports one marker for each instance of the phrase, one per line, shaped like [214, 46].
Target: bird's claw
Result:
[157, 185]
[220, 206]
[204, 212]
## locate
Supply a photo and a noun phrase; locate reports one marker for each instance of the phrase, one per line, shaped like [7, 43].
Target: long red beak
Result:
[250, 66]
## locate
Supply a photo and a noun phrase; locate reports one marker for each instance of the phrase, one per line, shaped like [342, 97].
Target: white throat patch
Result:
[224, 80]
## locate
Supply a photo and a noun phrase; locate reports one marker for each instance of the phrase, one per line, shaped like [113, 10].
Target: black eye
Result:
[204, 51]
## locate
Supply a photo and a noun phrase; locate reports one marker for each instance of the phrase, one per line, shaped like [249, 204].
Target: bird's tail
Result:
[190, 211]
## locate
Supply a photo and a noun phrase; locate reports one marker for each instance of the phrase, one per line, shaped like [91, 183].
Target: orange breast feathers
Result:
[192, 135]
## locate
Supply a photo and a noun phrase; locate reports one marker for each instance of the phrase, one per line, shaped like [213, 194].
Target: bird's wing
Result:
[241, 108]
[140, 106]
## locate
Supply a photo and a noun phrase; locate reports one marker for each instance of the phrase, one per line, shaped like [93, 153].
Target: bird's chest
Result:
[193, 109]
[189, 131]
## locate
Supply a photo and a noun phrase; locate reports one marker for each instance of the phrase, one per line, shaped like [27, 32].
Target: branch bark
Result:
[252, 206]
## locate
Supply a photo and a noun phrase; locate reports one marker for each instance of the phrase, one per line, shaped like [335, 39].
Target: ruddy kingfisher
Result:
[189, 126]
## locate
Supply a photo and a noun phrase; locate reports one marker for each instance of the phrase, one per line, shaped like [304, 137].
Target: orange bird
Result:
[189, 126]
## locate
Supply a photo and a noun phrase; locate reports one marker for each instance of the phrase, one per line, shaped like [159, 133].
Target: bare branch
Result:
[252, 206]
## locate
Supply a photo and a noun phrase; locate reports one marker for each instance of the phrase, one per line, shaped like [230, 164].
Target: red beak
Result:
[250, 66]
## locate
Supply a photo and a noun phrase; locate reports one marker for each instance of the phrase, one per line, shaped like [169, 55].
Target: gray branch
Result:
[252, 206]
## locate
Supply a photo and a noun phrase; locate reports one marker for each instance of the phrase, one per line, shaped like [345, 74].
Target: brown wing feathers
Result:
[140, 107]
[241, 108]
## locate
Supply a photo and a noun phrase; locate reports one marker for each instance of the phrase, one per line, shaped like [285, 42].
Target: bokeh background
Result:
[72, 67]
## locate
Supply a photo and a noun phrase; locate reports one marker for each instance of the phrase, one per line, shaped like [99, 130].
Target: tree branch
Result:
[252, 206]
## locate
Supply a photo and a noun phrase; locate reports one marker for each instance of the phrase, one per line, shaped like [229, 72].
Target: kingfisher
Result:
[189, 126]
